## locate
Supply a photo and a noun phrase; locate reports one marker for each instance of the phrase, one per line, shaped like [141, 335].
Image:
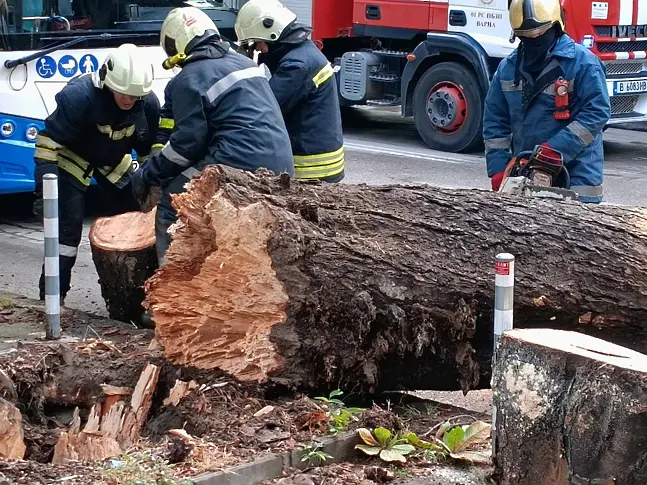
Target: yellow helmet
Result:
[262, 20]
[531, 18]
[182, 29]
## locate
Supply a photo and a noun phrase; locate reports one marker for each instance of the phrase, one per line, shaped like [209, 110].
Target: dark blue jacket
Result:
[304, 84]
[510, 128]
[219, 109]
[87, 131]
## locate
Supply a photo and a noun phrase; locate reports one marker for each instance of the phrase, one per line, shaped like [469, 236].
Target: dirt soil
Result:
[224, 423]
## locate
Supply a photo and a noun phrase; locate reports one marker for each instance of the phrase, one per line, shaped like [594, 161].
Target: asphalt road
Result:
[381, 149]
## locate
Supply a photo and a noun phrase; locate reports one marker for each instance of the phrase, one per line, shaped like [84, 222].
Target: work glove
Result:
[139, 186]
[496, 181]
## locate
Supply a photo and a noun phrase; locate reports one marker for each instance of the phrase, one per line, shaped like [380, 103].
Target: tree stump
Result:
[571, 409]
[123, 251]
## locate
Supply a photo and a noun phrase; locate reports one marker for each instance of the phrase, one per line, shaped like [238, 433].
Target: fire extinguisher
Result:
[561, 100]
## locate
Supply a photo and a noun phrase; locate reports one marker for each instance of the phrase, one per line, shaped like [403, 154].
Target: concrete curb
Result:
[341, 448]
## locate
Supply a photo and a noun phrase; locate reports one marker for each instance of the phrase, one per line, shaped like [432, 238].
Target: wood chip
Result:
[109, 390]
[264, 411]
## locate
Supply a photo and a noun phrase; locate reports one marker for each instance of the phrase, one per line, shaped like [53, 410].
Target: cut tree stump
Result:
[374, 288]
[571, 409]
[123, 250]
[12, 445]
[112, 426]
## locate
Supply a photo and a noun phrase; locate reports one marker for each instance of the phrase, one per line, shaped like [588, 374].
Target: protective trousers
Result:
[71, 210]
[166, 215]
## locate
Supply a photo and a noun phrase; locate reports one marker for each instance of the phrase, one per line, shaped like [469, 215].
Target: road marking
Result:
[379, 149]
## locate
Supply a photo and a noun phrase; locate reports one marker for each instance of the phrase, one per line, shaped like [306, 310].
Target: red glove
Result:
[496, 180]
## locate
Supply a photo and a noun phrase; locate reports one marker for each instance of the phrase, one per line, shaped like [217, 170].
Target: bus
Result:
[46, 43]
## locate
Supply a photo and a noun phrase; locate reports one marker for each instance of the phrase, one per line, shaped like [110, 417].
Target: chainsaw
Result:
[535, 173]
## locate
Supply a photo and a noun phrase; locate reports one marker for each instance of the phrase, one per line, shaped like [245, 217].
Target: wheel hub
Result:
[446, 107]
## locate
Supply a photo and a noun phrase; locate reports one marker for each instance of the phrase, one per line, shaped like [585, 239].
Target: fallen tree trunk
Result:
[571, 409]
[383, 287]
[123, 251]
[12, 445]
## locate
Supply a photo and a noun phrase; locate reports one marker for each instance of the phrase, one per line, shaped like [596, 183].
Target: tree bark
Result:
[318, 285]
[123, 251]
[570, 409]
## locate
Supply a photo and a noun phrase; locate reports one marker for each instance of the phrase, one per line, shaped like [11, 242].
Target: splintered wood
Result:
[570, 409]
[225, 325]
[12, 446]
[112, 426]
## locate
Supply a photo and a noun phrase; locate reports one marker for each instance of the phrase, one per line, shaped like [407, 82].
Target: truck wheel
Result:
[448, 108]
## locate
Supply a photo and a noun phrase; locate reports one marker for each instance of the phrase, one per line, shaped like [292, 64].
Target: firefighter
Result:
[550, 91]
[303, 82]
[100, 119]
[219, 109]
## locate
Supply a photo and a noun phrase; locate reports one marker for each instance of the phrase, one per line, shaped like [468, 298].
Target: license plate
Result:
[635, 86]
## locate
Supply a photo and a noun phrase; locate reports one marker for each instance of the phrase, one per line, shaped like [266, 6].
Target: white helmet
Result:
[182, 29]
[125, 71]
[262, 20]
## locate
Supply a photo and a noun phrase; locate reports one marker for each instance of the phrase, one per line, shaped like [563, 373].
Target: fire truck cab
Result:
[435, 58]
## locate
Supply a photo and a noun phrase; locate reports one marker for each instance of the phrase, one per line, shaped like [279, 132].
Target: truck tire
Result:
[448, 108]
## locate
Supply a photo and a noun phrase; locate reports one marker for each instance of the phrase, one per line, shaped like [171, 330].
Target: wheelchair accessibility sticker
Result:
[67, 66]
[46, 67]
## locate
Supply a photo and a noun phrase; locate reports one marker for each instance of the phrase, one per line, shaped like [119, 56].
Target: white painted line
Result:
[383, 150]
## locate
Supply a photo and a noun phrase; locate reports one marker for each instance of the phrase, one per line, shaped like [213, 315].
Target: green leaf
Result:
[443, 429]
[369, 450]
[382, 435]
[403, 449]
[477, 457]
[453, 438]
[335, 393]
[413, 439]
[354, 410]
[475, 433]
[392, 455]
[367, 437]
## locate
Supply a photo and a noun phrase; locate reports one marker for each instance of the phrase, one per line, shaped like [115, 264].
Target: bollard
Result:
[52, 280]
[503, 295]
[503, 311]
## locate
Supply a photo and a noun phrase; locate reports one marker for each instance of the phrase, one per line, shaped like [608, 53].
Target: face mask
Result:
[536, 50]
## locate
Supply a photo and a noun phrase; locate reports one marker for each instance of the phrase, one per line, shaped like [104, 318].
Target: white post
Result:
[503, 295]
[52, 279]
[503, 312]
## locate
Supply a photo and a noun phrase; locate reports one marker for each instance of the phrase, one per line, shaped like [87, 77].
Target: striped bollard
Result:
[503, 295]
[503, 311]
[52, 280]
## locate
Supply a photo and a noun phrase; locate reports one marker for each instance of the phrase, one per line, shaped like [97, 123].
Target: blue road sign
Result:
[88, 63]
[67, 66]
[46, 67]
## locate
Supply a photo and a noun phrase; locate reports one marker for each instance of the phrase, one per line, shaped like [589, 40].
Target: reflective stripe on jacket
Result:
[304, 84]
[510, 128]
[87, 131]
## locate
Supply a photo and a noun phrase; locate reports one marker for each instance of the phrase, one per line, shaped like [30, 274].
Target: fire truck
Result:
[435, 58]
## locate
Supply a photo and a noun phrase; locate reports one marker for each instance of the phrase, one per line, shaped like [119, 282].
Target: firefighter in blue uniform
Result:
[303, 82]
[219, 109]
[550, 91]
[99, 120]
